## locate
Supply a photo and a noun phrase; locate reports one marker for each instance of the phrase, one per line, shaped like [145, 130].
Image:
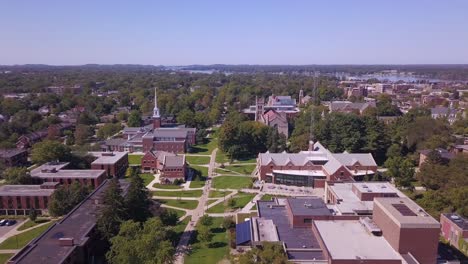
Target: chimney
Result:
[66, 242]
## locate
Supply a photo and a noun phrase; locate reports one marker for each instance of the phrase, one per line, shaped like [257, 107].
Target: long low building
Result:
[20, 199]
[57, 172]
[395, 231]
[71, 239]
[314, 167]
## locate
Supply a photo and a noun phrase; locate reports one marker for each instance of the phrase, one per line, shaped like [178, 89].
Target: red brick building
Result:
[314, 167]
[455, 231]
[20, 199]
[14, 157]
[114, 163]
[56, 172]
[170, 166]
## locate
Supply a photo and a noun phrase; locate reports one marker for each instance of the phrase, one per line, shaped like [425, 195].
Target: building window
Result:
[307, 221]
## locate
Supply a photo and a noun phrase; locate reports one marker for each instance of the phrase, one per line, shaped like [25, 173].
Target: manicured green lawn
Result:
[200, 177]
[213, 252]
[179, 229]
[5, 257]
[241, 200]
[216, 194]
[221, 157]
[252, 160]
[20, 240]
[166, 186]
[134, 159]
[29, 223]
[179, 213]
[147, 178]
[242, 169]
[197, 159]
[232, 182]
[205, 148]
[185, 193]
[203, 170]
[186, 204]
[267, 197]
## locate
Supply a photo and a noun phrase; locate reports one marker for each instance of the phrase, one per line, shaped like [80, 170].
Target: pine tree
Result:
[113, 212]
[137, 200]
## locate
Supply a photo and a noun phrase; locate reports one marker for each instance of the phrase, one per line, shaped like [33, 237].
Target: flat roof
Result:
[293, 238]
[24, 190]
[375, 187]
[8, 153]
[71, 174]
[349, 240]
[308, 206]
[406, 213]
[310, 173]
[77, 224]
[107, 157]
[349, 203]
[49, 166]
[457, 220]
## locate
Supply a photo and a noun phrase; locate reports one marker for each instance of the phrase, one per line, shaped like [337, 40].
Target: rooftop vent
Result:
[66, 242]
[108, 154]
[365, 186]
[455, 217]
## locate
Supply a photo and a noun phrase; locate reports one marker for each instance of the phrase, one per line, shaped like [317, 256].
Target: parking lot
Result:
[6, 229]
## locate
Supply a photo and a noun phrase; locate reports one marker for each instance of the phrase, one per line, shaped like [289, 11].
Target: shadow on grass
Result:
[217, 244]
[218, 230]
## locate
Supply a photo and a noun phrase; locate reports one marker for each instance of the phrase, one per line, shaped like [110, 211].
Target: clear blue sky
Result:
[174, 32]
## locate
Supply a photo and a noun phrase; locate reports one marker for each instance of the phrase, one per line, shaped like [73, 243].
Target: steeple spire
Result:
[156, 113]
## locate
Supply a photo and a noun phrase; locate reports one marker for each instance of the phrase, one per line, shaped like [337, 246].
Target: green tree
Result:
[266, 254]
[49, 150]
[134, 119]
[108, 130]
[137, 200]
[113, 211]
[82, 133]
[17, 175]
[33, 215]
[206, 220]
[204, 234]
[149, 242]
[401, 170]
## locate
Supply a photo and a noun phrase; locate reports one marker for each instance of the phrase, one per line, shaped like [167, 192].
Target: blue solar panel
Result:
[243, 233]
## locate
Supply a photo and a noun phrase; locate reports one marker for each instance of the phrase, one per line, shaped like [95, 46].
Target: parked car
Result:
[3, 222]
[11, 222]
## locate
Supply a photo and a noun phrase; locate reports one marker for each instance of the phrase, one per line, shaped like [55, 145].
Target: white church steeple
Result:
[156, 113]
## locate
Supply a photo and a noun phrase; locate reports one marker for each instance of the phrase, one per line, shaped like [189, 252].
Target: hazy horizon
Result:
[179, 33]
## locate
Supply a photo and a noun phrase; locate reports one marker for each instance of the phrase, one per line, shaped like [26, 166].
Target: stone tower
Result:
[259, 108]
[156, 114]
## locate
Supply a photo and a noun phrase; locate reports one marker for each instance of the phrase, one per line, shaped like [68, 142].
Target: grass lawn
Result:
[20, 240]
[147, 178]
[252, 160]
[241, 200]
[242, 169]
[221, 157]
[5, 257]
[28, 223]
[197, 159]
[213, 252]
[179, 229]
[232, 182]
[217, 194]
[166, 186]
[187, 193]
[134, 159]
[205, 148]
[186, 204]
[201, 174]
[179, 213]
[267, 197]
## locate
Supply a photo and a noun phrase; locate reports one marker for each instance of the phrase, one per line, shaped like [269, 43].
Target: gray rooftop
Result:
[308, 206]
[108, 157]
[349, 240]
[174, 161]
[49, 166]
[458, 220]
[293, 238]
[77, 224]
[24, 190]
[8, 153]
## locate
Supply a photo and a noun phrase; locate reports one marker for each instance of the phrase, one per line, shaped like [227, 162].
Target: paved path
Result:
[9, 251]
[248, 207]
[176, 198]
[183, 246]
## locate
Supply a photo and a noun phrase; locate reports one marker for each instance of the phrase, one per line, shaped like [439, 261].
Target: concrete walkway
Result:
[183, 246]
[15, 231]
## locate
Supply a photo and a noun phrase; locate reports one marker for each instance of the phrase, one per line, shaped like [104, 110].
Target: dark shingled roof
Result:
[308, 206]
